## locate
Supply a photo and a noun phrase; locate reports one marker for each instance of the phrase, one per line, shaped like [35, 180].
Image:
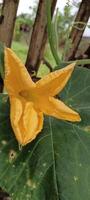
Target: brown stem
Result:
[77, 32]
[7, 21]
[39, 37]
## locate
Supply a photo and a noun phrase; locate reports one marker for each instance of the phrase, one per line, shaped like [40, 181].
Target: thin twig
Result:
[47, 64]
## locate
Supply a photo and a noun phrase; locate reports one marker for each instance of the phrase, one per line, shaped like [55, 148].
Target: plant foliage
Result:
[57, 164]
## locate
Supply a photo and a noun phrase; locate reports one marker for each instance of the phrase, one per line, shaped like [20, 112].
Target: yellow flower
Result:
[29, 100]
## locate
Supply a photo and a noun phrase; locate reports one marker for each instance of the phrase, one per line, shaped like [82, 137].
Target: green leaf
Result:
[4, 107]
[56, 165]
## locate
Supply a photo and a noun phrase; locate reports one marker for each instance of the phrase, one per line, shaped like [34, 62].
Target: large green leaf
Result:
[56, 166]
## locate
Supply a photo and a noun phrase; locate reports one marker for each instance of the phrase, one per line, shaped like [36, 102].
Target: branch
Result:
[38, 37]
[47, 64]
[77, 32]
[7, 20]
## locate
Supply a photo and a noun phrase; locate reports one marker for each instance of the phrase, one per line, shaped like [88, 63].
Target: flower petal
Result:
[15, 116]
[25, 120]
[17, 77]
[59, 110]
[33, 122]
[54, 82]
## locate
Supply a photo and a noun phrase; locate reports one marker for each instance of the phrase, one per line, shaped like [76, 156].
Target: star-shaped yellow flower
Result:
[29, 100]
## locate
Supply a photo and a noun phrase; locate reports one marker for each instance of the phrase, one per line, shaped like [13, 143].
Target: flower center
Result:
[28, 95]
